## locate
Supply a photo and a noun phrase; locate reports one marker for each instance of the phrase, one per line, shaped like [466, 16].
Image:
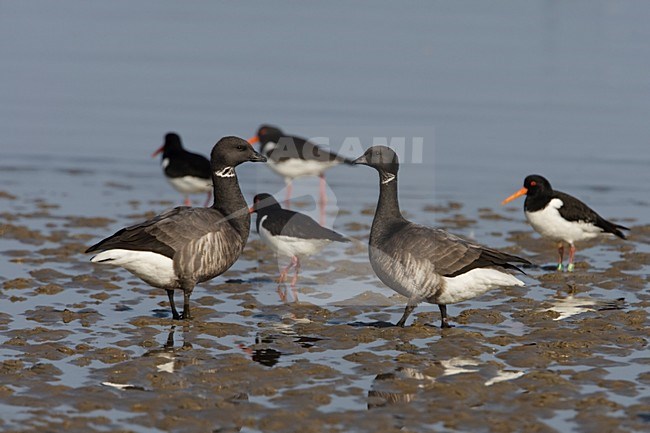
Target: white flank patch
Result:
[289, 246]
[549, 223]
[225, 172]
[475, 283]
[294, 167]
[190, 184]
[153, 268]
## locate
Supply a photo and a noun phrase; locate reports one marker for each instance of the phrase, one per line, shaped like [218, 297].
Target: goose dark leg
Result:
[444, 323]
[560, 252]
[572, 253]
[187, 315]
[170, 295]
[407, 312]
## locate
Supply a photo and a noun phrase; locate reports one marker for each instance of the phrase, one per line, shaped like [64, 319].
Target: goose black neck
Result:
[388, 204]
[229, 200]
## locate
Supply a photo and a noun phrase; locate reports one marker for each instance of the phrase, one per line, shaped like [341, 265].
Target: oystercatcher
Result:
[186, 246]
[424, 263]
[288, 233]
[189, 173]
[293, 157]
[558, 216]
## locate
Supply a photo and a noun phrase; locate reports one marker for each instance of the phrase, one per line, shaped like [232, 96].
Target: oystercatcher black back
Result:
[424, 263]
[189, 173]
[291, 234]
[293, 157]
[185, 246]
[561, 217]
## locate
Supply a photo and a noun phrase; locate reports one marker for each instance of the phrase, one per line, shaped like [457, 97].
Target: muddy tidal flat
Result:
[92, 349]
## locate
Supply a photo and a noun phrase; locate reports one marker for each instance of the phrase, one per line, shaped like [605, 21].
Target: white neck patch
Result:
[387, 178]
[165, 163]
[226, 172]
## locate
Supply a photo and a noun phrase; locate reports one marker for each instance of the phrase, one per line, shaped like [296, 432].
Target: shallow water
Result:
[494, 92]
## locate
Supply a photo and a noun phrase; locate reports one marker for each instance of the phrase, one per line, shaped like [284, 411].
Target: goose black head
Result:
[383, 159]
[229, 152]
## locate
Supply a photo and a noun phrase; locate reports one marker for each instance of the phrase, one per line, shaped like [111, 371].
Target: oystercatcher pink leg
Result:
[323, 198]
[208, 199]
[283, 274]
[287, 198]
[296, 266]
[294, 291]
[572, 253]
[560, 251]
[187, 201]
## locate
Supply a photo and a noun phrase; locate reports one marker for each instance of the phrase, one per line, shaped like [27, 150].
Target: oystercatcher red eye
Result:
[533, 183]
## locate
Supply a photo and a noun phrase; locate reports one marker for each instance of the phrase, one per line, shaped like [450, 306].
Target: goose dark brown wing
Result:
[450, 255]
[168, 232]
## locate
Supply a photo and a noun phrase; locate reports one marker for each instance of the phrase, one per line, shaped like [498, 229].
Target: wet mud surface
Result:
[92, 349]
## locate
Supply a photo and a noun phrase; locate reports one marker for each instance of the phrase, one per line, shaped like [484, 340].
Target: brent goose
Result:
[293, 157]
[186, 246]
[424, 263]
[561, 217]
[189, 173]
[291, 234]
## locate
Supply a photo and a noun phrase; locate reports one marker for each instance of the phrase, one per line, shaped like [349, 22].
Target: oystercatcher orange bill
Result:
[519, 193]
[158, 151]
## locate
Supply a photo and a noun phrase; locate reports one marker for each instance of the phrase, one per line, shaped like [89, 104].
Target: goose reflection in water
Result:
[404, 384]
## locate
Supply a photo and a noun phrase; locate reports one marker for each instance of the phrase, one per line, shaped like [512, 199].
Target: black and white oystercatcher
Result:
[293, 157]
[186, 246]
[424, 263]
[561, 217]
[291, 234]
[189, 173]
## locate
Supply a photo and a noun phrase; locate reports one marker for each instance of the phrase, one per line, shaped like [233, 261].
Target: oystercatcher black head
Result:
[538, 192]
[423, 263]
[264, 201]
[266, 134]
[171, 145]
[561, 217]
